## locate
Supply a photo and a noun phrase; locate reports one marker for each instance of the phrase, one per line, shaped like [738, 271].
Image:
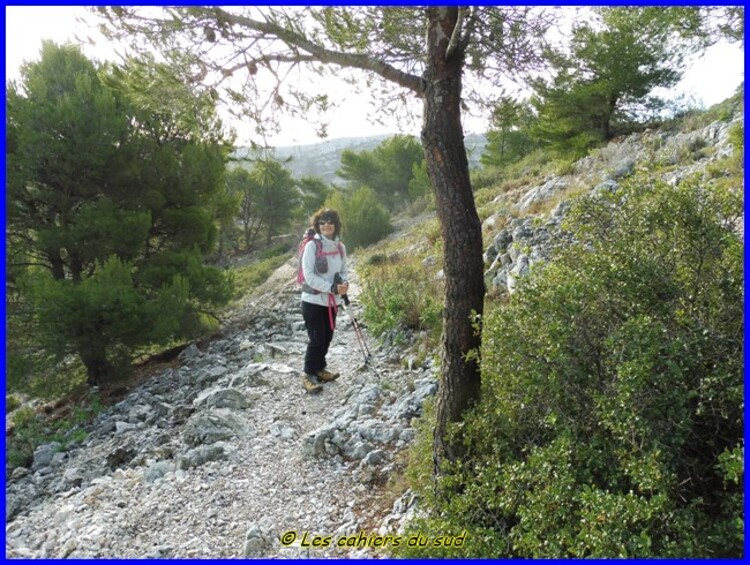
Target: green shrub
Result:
[24, 440]
[31, 430]
[400, 294]
[611, 418]
[11, 403]
[364, 218]
[107, 316]
[419, 185]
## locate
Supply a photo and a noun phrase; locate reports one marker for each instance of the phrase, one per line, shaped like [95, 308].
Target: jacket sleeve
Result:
[313, 279]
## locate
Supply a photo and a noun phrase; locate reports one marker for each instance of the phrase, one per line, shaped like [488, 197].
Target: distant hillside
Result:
[324, 159]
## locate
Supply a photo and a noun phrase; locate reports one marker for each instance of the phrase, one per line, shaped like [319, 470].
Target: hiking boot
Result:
[327, 376]
[311, 384]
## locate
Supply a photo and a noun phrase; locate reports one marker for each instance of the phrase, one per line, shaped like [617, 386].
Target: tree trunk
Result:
[246, 233]
[76, 267]
[445, 152]
[98, 367]
[607, 120]
[57, 265]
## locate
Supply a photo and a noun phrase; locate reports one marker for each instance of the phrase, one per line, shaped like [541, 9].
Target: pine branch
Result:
[319, 53]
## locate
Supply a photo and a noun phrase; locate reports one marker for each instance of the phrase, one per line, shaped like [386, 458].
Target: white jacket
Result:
[322, 282]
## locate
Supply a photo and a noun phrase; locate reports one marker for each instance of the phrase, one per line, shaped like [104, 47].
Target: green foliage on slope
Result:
[611, 415]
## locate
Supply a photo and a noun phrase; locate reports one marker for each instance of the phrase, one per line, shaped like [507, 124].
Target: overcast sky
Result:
[708, 81]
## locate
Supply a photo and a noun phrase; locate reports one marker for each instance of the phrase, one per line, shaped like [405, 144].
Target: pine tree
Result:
[606, 80]
[110, 201]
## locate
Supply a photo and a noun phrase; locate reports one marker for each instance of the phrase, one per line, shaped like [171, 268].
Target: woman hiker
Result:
[323, 258]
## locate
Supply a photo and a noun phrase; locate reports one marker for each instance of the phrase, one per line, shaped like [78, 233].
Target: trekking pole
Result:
[355, 324]
[357, 331]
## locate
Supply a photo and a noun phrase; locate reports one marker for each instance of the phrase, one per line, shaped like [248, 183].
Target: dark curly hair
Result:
[327, 214]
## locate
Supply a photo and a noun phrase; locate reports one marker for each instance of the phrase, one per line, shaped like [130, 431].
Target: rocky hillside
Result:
[222, 454]
[528, 236]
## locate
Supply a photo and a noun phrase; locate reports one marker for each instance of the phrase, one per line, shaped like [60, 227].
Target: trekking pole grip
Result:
[338, 280]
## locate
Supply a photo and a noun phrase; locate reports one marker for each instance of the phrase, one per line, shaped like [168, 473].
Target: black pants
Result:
[318, 325]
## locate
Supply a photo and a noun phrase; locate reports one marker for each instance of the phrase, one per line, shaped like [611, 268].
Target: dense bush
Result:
[611, 415]
[106, 317]
[364, 218]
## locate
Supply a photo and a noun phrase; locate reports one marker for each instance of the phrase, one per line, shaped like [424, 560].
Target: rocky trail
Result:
[224, 453]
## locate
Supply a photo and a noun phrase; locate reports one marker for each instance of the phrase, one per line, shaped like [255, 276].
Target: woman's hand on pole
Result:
[342, 288]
